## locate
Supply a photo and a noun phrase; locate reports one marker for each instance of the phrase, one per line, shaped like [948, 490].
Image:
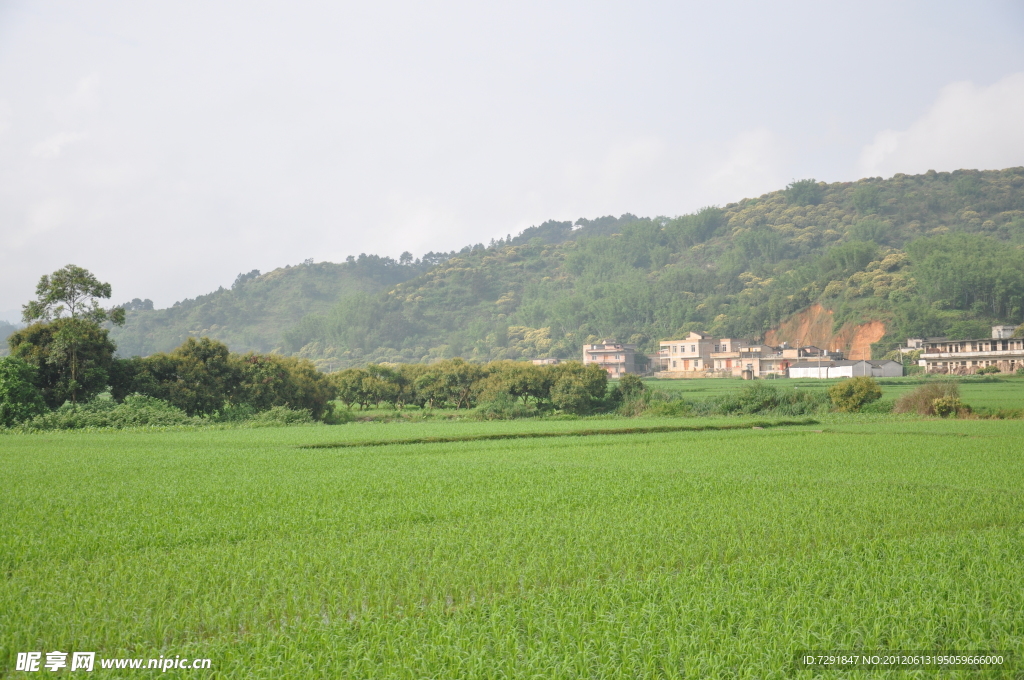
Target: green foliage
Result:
[199, 377]
[278, 416]
[73, 358]
[967, 272]
[948, 406]
[866, 199]
[518, 380]
[504, 406]
[203, 378]
[272, 381]
[73, 290]
[876, 231]
[6, 329]
[135, 411]
[348, 385]
[988, 369]
[453, 382]
[760, 397]
[852, 395]
[578, 388]
[630, 386]
[926, 399]
[20, 399]
[255, 313]
[805, 192]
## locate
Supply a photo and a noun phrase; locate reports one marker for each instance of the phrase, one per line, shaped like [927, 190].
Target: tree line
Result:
[66, 356]
[455, 383]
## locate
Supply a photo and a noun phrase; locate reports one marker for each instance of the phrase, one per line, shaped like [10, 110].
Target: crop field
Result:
[1002, 392]
[700, 554]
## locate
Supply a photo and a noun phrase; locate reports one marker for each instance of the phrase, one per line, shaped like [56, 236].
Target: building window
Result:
[673, 363]
[692, 348]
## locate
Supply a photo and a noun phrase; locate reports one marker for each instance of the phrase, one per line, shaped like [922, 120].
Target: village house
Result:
[838, 368]
[964, 357]
[691, 355]
[614, 357]
[700, 355]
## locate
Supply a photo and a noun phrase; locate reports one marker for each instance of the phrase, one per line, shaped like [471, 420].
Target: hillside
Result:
[932, 254]
[254, 312]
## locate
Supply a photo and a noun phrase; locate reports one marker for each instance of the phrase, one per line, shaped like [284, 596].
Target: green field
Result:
[682, 554]
[992, 393]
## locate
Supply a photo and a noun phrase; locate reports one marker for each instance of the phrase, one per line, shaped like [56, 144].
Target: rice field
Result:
[1002, 392]
[700, 554]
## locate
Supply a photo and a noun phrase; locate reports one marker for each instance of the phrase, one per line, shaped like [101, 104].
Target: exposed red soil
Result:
[813, 326]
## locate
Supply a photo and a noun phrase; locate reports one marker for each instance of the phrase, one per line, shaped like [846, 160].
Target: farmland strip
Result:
[567, 433]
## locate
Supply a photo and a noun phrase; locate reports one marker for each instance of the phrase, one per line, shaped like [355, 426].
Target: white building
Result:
[964, 357]
[846, 369]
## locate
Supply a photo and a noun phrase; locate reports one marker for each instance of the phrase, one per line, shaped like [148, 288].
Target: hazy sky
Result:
[169, 146]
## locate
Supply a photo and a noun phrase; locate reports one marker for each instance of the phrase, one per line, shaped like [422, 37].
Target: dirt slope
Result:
[813, 326]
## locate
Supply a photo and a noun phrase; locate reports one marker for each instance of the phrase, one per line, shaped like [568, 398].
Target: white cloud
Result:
[967, 127]
[752, 167]
[52, 147]
[83, 100]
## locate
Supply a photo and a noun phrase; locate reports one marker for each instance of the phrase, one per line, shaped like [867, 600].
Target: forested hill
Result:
[932, 254]
[254, 312]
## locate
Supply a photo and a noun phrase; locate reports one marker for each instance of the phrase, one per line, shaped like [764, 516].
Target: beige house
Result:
[700, 355]
[964, 357]
[691, 355]
[614, 357]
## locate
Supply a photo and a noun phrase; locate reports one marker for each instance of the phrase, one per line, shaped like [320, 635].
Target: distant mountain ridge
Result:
[931, 254]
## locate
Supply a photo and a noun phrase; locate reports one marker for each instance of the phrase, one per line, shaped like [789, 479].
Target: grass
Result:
[995, 392]
[715, 553]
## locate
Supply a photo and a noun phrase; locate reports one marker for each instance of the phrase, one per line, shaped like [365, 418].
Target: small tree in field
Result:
[850, 395]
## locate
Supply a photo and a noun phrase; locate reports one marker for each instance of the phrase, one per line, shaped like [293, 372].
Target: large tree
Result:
[72, 290]
[65, 342]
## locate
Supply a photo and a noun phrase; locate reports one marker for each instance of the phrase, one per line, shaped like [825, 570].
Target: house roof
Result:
[833, 363]
[830, 363]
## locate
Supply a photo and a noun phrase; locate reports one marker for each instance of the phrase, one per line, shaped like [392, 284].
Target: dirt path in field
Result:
[755, 425]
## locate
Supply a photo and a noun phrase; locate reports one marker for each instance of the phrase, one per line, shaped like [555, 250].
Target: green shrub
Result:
[281, 415]
[924, 399]
[504, 406]
[20, 399]
[1020, 370]
[135, 411]
[851, 395]
[948, 406]
[880, 406]
[988, 369]
[762, 397]
[577, 388]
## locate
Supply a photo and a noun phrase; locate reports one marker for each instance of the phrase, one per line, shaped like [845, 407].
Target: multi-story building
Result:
[701, 355]
[963, 357]
[690, 355]
[614, 357]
